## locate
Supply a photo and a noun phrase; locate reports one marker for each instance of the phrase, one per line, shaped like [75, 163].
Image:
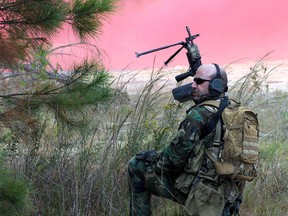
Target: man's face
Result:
[201, 84]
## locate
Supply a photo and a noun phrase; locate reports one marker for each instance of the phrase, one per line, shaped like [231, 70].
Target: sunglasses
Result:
[200, 81]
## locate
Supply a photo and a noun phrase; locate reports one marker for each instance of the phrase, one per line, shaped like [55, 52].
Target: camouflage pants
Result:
[143, 182]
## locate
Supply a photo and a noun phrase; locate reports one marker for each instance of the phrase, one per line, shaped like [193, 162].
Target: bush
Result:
[14, 195]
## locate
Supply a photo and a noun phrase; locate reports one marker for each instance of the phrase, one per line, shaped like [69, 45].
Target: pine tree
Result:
[26, 23]
[33, 84]
[33, 94]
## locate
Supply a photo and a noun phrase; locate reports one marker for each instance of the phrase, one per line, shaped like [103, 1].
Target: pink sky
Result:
[229, 30]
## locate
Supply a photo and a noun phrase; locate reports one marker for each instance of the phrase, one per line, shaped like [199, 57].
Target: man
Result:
[182, 172]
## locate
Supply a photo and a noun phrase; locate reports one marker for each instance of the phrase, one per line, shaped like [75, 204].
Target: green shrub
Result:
[14, 195]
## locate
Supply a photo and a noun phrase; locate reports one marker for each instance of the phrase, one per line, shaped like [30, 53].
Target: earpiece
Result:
[217, 85]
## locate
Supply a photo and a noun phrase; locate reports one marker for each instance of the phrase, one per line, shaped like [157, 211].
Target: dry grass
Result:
[84, 172]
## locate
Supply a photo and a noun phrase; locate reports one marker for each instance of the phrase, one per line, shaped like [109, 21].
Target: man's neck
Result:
[209, 97]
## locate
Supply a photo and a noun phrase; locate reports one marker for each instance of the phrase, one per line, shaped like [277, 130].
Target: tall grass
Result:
[266, 194]
[84, 172]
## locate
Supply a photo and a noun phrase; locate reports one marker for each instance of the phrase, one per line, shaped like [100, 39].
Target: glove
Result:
[149, 156]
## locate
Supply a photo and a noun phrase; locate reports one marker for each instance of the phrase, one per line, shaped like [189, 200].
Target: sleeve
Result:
[173, 157]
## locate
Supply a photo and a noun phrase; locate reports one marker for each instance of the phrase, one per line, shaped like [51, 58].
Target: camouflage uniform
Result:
[180, 172]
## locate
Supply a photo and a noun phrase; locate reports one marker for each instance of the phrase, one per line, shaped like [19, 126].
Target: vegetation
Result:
[83, 172]
[45, 111]
[66, 138]
[31, 84]
[267, 194]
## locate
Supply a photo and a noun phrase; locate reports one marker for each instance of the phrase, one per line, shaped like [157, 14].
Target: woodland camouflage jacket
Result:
[173, 158]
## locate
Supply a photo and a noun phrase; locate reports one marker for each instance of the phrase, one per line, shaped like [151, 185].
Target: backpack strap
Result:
[211, 124]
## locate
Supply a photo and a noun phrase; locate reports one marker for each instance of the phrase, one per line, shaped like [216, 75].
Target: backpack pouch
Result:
[204, 200]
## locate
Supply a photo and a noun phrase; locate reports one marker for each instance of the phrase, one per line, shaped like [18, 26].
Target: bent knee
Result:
[136, 166]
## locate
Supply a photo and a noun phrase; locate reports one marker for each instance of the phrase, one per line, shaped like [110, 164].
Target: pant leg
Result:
[143, 182]
[139, 196]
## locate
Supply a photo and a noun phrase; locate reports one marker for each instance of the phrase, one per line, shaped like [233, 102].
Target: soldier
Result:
[182, 172]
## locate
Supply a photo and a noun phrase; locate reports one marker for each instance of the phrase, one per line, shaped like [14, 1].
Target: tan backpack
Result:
[238, 158]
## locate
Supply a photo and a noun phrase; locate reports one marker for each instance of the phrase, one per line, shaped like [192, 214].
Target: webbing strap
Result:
[211, 124]
[210, 155]
[218, 130]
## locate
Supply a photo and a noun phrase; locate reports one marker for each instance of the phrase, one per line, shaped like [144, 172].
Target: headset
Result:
[217, 85]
